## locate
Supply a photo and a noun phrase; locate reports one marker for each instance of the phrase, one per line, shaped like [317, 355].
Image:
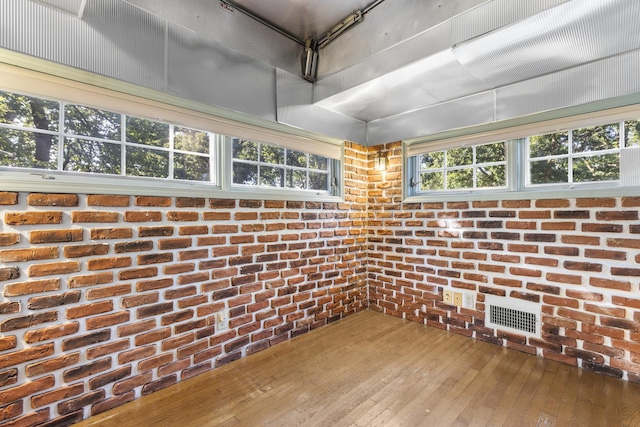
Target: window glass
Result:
[474, 167]
[191, 167]
[632, 133]
[191, 140]
[29, 112]
[85, 121]
[28, 149]
[588, 154]
[148, 132]
[265, 165]
[147, 162]
[81, 155]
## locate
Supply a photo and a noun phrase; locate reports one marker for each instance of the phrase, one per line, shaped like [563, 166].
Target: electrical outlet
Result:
[447, 296]
[468, 300]
[457, 299]
[222, 320]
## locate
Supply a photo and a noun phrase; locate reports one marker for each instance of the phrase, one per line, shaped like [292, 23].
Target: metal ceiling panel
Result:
[469, 111]
[302, 18]
[495, 14]
[114, 39]
[229, 28]
[566, 36]
[72, 7]
[295, 109]
[434, 79]
[200, 69]
[609, 78]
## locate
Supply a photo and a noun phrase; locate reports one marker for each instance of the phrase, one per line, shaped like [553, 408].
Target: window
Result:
[265, 165]
[479, 166]
[41, 134]
[57, 140]
[584, 157]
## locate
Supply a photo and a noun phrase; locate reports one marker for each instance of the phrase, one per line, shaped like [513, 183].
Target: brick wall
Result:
[106, 298]
[578, 258]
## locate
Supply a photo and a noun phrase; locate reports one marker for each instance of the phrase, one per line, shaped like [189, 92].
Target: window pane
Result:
[460, 157]
[244, 173]
[597, 168]
[296, 179]
[553, 144]
[271, 176]
[245, 150]
[318, 181]
[29, 149]
[271, 154]
[26, 111]
[147, 132]
[296, 158]
[190, 167]
[85, 121]
[632, 133]
[491, 176]
[192, 140]
[432, 160]
[318, 162]
[91, 156]
[147, 162]
[462, 178]
[432, 181]
[596, 138]
[490, 153]
[549, 171]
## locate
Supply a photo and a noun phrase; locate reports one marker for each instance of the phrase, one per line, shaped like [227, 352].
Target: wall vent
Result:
[517, 316]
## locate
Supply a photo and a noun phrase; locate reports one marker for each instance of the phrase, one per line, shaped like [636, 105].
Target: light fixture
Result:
[380, 161]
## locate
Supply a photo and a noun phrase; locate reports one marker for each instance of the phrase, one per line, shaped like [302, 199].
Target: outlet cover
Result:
[222, 320]
[468, 300]
[447, 296]
[457, 299]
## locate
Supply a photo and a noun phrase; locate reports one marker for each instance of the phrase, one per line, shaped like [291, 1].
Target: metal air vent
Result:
[519, 317]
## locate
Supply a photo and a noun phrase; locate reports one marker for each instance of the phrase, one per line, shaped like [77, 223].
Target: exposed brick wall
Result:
[578, 258]
[107, 298]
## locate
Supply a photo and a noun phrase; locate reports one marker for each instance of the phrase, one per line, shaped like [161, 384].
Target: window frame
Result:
[518, 160]
[131, 100]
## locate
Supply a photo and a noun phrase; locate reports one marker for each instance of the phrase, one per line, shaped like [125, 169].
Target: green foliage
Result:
[277, 167]
[549, 171]
[148, 132]
[191, 167]
[553, 144]
[596, 138]
[30, 149]
[632, 133]
[147, 162]
[82, 155]
[597, 168]
[194, 141]
[456, 168]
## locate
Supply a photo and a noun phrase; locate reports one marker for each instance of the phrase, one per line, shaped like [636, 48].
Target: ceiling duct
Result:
[310, 60]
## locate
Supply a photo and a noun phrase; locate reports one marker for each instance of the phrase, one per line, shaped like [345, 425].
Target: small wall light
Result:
[380, 161]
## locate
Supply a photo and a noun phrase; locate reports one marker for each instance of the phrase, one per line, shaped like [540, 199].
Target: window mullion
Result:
[61, 137]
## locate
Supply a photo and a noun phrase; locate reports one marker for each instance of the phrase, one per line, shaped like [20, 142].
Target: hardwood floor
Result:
[375, 370]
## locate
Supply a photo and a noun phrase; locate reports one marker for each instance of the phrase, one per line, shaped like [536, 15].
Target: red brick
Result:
[32, 218]
[39, 303]
[142, 216]
[108, 292]
[51, 365]
[55, 236]
[7, 198]
[59, 394]
[51, 269]
[26, 355]
[29, 254]
[94, 216]
[32, 287]
[108, 200]
[27, 389]
[611, 284]
[51, 332]
[89, 309]
[108, 263]
[111, 233]
[9, 239]
[40, 199]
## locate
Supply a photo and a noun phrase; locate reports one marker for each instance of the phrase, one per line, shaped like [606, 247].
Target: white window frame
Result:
[516, 139]
[68, 85]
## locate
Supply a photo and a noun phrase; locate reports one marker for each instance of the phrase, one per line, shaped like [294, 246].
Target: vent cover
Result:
[519, 317]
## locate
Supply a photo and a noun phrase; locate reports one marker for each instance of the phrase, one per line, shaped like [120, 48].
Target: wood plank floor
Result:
[376, 370]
